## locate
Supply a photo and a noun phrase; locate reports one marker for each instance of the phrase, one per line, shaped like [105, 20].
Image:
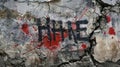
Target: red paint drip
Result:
[50, 45]
[108, 19]
[25, 28]
[111, 31]
[84, 46]
[54, 44]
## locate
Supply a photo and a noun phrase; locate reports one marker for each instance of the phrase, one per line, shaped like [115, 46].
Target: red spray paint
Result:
[54, 44]
[25, 28]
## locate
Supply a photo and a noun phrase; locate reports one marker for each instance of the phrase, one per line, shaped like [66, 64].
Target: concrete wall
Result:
[59, 10]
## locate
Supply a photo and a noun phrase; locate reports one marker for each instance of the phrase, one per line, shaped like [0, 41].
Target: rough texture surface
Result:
[18, 49]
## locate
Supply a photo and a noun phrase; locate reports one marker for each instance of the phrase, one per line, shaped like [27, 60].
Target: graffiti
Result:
[59, 28]
[59, 33]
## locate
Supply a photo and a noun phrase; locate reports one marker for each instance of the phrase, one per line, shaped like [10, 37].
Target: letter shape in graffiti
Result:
[40, 28]
[81, 28]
